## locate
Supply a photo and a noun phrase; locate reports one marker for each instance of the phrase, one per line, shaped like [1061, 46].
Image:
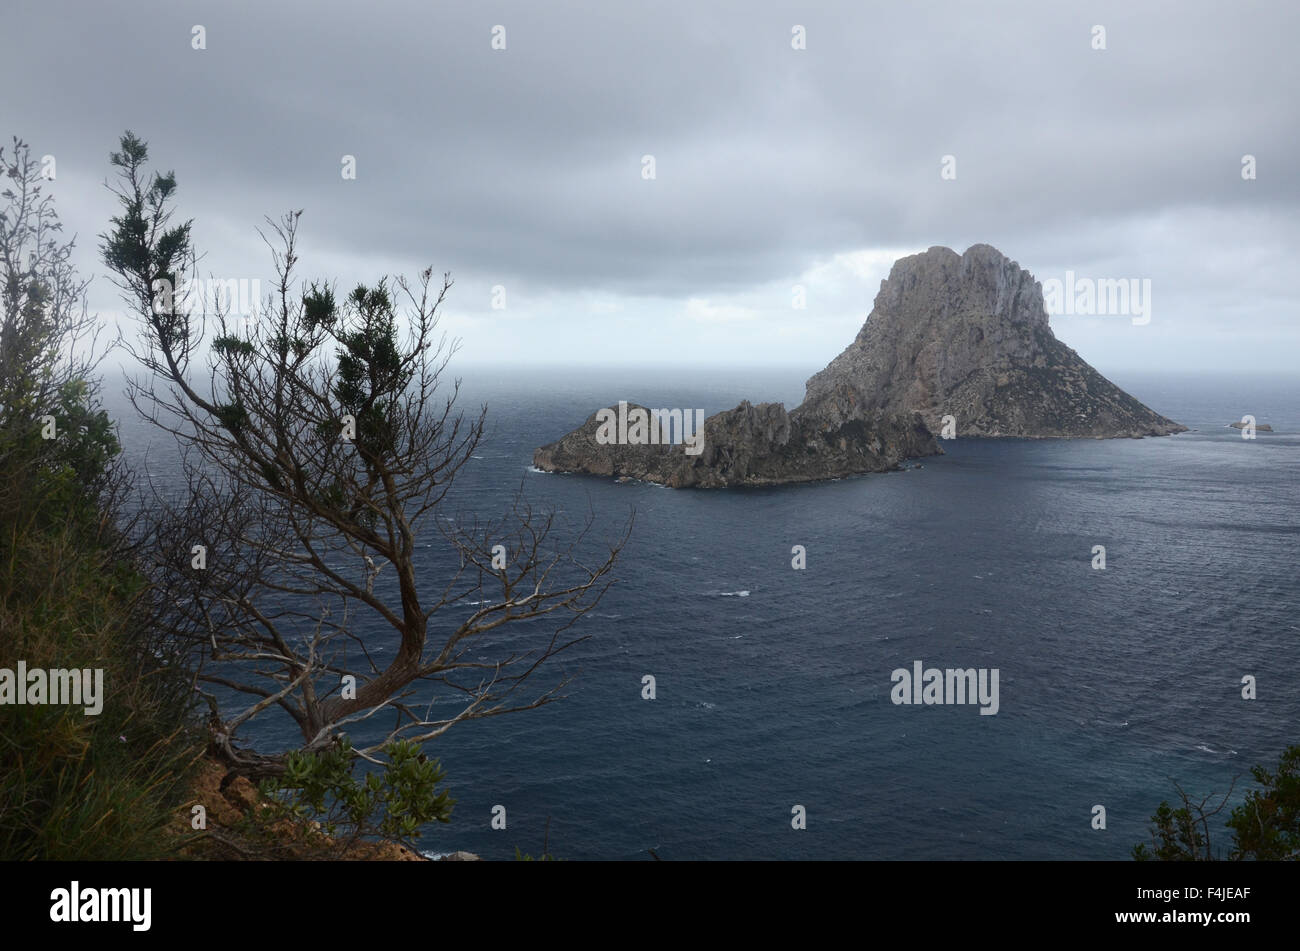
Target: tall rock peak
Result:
[968, 336]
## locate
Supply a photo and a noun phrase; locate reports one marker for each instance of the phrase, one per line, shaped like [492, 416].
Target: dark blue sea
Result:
[773, 685]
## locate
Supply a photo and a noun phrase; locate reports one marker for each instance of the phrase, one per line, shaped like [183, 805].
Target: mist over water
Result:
[773, 685]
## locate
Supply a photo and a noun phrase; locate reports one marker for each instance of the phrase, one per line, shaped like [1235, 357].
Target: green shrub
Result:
[1264, 827]
[394, 804]
[75, 786]
[1267, 825]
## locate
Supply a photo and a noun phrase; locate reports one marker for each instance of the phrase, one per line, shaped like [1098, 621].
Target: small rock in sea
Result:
[1259, 427]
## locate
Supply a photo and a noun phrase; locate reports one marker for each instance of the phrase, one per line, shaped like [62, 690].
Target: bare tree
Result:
[319, 442]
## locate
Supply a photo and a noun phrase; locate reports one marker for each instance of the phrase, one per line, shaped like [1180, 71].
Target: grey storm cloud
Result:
[524, 164]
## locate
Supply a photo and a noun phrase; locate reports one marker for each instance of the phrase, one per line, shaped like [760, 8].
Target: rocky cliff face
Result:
[967, 336]
[752, 445]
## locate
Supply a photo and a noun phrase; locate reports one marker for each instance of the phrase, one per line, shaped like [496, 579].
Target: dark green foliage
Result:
[63, 477]
[1264, 827]
[140, 244]
[1176, 836]
[371, 373]
[1267, 824]
[393, 805]
[232, 346]
[318, 307]
[233, 416]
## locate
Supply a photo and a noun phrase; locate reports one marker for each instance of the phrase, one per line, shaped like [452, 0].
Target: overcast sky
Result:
[773, 166]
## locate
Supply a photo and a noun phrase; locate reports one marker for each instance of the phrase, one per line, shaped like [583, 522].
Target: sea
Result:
[773, 731]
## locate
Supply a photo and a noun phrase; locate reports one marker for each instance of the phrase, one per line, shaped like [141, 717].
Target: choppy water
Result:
[773, 685]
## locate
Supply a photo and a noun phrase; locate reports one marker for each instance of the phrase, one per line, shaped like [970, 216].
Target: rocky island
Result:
[824, 438]
[957, 344]
[967, 336]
